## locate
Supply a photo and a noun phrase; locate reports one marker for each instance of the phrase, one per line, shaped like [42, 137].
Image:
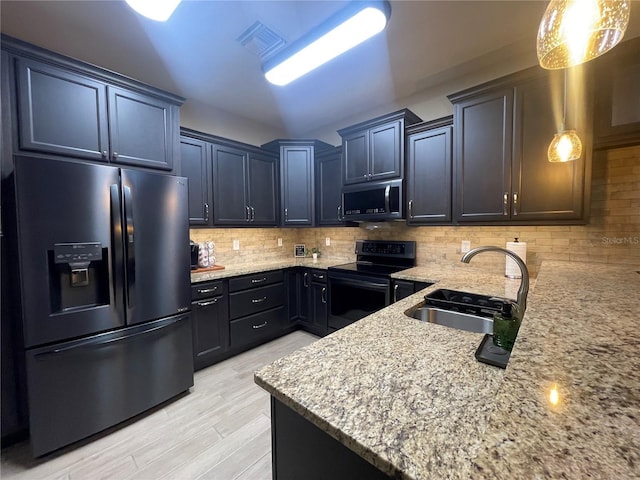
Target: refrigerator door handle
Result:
[117, 280]
[99, 342]
[130, 246]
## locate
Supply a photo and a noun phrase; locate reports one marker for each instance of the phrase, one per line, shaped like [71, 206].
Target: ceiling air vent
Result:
[261, 40]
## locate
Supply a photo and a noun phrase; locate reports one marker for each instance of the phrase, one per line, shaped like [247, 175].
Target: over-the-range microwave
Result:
[373, 201]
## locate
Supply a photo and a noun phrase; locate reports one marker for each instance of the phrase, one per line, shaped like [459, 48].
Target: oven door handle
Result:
[359, 283]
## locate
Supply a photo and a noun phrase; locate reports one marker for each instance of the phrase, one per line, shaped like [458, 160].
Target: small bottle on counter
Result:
[505, 327]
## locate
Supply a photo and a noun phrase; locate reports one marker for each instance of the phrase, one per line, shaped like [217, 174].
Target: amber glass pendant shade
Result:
[575, 31]
[565, 147]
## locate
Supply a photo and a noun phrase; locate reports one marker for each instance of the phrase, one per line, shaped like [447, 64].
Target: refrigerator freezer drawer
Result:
[79, 388]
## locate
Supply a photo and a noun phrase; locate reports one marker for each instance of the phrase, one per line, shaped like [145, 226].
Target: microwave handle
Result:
[387, 202]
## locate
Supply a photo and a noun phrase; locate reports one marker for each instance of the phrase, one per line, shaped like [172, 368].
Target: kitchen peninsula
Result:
[411, 400]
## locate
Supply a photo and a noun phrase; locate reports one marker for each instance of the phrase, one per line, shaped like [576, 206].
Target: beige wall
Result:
[612, 236]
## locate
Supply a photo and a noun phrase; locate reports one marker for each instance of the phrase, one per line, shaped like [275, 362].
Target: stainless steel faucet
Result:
[524, 283]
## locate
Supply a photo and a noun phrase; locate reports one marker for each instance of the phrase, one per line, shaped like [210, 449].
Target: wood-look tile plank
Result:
[211, 425]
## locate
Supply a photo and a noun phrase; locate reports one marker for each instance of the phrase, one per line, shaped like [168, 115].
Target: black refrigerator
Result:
[105, 294]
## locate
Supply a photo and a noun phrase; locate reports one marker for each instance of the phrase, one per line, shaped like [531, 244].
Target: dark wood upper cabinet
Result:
[329, 187]
[61, 112]
[263, 192]
[141, 129]
[374, 150]
[195, 157]
[617, 118]
[429, 172]
[69, 108]
[297, 179]
[502, 131]
[230, 183]
[229, 179]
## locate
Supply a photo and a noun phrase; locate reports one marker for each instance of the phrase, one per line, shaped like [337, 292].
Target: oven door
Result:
[353, 296]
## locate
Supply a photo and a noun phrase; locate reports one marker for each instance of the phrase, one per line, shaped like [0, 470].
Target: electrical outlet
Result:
[465, 246]
[236, 244]
[327, 241]
[279, 242]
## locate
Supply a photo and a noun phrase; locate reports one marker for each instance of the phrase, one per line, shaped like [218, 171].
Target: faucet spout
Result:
[524, 283]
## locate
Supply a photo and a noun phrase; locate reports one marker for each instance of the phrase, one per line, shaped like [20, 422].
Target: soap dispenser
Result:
[506, 324]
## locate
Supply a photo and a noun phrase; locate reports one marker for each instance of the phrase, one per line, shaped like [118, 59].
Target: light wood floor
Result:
[219, 430]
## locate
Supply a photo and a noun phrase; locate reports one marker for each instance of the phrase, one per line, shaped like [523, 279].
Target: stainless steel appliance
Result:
[363, 287]
[104, 282]
[373, 201]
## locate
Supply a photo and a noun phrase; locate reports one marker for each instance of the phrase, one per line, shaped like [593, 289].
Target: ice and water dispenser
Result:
[79, 277]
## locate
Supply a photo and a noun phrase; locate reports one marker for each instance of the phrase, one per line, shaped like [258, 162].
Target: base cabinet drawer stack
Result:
[210, 314]
[257, 308]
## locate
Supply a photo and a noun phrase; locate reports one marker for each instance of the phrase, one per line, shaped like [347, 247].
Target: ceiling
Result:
[196, 53]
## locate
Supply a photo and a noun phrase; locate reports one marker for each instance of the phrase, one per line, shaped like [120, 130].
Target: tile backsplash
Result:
[612, 235]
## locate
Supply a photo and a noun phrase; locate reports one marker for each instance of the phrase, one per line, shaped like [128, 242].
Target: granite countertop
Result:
[249, 268]
[410, 397]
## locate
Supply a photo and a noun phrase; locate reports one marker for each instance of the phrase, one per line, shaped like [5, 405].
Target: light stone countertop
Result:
[410, 397]
[249, 268]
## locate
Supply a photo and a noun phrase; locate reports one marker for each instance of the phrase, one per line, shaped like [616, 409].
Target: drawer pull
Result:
[319, 277]
[258, 300]
[210, 302]
[207, 290]
[258, 280]
[255, 327]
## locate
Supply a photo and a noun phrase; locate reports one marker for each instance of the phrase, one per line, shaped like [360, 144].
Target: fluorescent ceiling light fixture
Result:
[159, 10]
[351, 26]
[575, 31]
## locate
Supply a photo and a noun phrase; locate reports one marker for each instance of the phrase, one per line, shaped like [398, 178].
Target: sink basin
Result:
[461, 321]
[464, 302]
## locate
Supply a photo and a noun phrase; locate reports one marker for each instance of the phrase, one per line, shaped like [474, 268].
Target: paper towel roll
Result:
[511, 269]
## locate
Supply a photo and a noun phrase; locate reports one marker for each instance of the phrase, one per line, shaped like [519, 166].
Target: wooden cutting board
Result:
[208, 269]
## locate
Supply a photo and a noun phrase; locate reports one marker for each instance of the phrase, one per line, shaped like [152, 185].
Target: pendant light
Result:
[566, 145]
[575, 31]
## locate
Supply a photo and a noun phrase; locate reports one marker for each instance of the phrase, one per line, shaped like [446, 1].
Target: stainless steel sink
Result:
[461, 321]
[464, 302]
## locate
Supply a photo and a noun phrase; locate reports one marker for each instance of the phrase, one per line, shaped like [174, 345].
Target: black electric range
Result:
[360, 288]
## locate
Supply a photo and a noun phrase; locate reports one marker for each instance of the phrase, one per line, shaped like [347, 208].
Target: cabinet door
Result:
[482, 165]
[355, 148]
[262, 190]
[319, 308]
[429, 177]
[210, 330]
[304, 280]
[386, 151]
[297, 185]
[140, 129]
[542, 190]
[230, 203]
[60, 112]
[617, 122]
[194, 158]
[329, 189]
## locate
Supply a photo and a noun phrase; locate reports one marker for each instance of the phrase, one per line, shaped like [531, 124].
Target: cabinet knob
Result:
[247, 213]
[410, 208]
[105, 154]
[395, 293]
[286, 214]
[324, 294]
[253, 214]
[340, 217]
[305, 280]
[505, 203]
[206, 212]
[115, 154]
[515, 203]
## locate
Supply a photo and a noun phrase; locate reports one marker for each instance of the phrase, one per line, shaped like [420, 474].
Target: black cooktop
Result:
[369, 268]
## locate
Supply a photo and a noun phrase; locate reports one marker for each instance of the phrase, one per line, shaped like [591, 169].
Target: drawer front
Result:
[319, 276]
[207, 290]
[255, 300]
[254, 327]
[257, 280]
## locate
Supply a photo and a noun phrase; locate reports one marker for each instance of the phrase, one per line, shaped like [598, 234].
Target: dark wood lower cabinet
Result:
[302, 450]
